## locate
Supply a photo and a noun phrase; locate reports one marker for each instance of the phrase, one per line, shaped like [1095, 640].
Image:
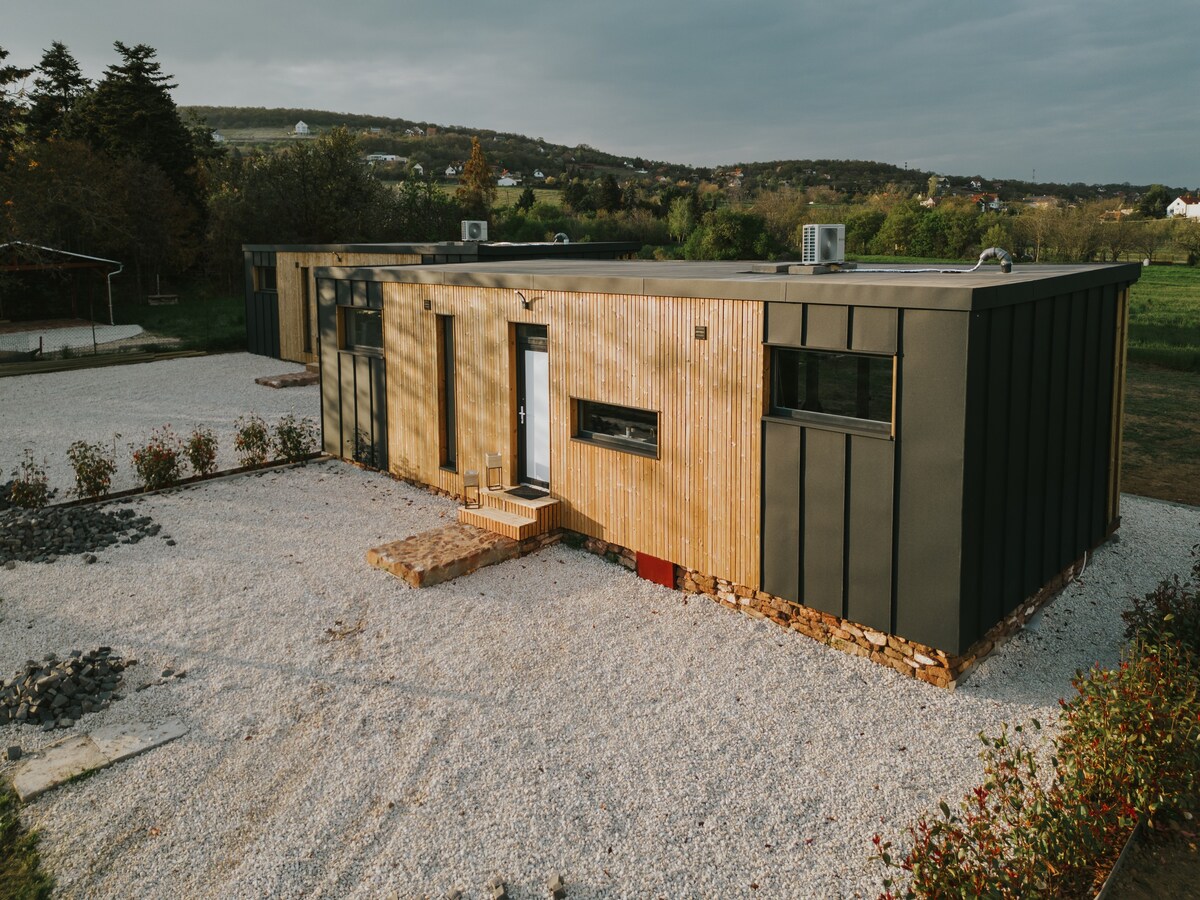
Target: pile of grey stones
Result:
[55, 693]
[43, 535]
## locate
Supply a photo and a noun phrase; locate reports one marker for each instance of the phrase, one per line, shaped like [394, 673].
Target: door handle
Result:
[521, 414]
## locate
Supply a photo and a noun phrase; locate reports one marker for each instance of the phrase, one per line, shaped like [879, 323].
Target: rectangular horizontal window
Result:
[619, 427]
[810, 383]
[362, 329]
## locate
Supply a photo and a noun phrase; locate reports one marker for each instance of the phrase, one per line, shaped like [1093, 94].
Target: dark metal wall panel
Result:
[994, 556]
[932, 432]
[785, 324]
[826, 326]
[1034, 531]
[781, 550]
[824, 520]
[1016, 460]
[869, 532]
[262, 323]
[1104, 419]
[379, 435]
[1086, 461]
[1068, 535]
[331, 420]
[873, 330]
[1056, 429]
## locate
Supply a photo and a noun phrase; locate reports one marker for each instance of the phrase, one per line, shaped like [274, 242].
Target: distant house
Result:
[539, 174]
[506, 181]
[415, 131]
[452, 170]
[386, 157]
[301, 127]
[418, 169]
[988, 202]
[930, 202]
[1185, 205]
[1043, 202]
[218, 138]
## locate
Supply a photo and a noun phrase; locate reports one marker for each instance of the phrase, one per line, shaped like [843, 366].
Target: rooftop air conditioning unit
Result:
[474, 230]
[823, 245]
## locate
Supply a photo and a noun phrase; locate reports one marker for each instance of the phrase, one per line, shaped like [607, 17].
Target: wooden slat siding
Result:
[288, 270]
[697, 505]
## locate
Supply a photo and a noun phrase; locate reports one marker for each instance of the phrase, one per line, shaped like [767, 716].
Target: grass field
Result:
[203, 319]
[1164, 317]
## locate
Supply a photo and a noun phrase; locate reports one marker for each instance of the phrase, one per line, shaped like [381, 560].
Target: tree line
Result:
[110, 168]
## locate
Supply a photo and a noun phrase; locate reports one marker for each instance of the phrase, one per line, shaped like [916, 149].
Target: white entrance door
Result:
[536, 426]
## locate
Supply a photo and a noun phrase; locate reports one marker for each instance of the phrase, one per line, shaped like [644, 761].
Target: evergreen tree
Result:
[131, 113]
[477, 185]
[57, 87]
[526, 200]
[12, 109]
[608, 194]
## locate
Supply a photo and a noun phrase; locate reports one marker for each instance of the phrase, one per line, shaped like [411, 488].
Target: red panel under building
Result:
[660, 571]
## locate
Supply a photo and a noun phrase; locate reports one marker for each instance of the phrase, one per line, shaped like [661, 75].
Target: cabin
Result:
[901, 464]
[281, 306]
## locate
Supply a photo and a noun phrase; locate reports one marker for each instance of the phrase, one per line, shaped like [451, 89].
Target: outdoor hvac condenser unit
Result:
[474, 230]
[823, 245]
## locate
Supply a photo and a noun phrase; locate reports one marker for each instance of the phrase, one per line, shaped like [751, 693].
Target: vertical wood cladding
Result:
[289, 275]
[697, 504]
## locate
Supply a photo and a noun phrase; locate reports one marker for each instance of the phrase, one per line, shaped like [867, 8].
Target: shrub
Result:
[158, 462]
[1131, 738]
[1129, 746]
[201, 450]
[1170, 611]
[29, 488]
[94, 466]
[295, 438]
[364, 449]
[252, 441]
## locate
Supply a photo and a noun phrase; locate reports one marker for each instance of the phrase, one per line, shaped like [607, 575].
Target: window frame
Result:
[344, 315]
[613, 441]
[831, 421]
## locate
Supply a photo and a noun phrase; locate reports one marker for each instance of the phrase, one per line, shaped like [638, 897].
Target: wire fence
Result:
[94, 334]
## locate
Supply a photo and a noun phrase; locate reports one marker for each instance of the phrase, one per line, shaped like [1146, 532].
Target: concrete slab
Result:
[118, 742]
[57, 764]
[82, 753]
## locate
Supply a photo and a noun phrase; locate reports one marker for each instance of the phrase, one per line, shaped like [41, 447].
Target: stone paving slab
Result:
[291, 379]
[442, 554]
[82, 753]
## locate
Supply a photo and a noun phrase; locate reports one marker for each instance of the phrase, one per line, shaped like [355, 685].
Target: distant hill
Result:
[437, 146]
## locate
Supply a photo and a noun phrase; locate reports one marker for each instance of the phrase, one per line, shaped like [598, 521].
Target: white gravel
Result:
[549, 714]
[47, 413]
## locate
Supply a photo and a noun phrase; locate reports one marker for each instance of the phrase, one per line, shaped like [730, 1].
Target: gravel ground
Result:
[352, 736]
[47, 413]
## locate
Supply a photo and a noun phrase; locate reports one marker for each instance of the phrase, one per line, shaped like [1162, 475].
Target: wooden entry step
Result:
[501, 521]
[515, 517]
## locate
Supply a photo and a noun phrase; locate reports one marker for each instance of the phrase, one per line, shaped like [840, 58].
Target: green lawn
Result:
[205, 318]
[21, 877]
[1164, 317]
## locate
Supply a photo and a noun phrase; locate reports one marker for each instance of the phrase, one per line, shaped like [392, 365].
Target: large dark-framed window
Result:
[362, 330]
[447, 418]
[618, 427]
[833, 387]
[306, 309]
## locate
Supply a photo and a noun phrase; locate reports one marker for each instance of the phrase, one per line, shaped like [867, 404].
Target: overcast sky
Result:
[1079, 90]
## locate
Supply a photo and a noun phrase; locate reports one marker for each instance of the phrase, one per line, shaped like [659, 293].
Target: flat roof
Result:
[480, 248]
[872, 285]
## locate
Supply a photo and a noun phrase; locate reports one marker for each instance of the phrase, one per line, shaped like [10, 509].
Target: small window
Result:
[363, 329]
[619, 427]
[817, 383]
[264, 278]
